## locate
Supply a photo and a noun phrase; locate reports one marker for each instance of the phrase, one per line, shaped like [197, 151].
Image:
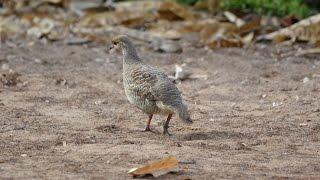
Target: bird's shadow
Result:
[213, 135]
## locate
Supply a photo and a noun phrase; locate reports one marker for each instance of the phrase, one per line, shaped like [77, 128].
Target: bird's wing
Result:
[165, 90]
[156, 85]
[142, 79]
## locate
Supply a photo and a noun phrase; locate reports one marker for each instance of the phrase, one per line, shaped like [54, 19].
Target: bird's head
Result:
[120, 42]
[123, 43]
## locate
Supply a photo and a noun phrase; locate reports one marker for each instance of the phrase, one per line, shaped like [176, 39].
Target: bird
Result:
[148, 88]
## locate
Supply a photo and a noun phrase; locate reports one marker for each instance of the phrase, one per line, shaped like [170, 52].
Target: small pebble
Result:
[38, 61]
[98, 102]
[302, 124]
[5, 67]
[305, 80]
[275, 104]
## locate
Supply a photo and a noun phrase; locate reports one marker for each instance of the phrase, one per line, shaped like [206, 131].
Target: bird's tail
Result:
[183, 114]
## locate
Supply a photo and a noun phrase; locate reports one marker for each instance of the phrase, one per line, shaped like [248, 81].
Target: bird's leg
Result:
[166, 125]
[148, 123]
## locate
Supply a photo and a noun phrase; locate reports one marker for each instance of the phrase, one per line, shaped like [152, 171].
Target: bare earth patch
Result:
[256, 115]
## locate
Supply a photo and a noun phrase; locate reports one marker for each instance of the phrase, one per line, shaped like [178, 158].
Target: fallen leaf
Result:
[308, 51]
[279, 39]
[109, 18]
[211, 5]
[134, 22]
[173, 11]
[305, 30]
[62, 3]
[222, 43]
[138, 6]
[289, 20]
[250, 26]
[168, 34]
[234, 19]
[210, 29]
[247, 39]
[162, 166]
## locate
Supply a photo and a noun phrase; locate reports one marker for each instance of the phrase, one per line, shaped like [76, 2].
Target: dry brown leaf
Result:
[308, 51]
[211, 5]
[134, 22]
[222, 43]
[98, 9]
[305, 30]
[172, 11]
[279, 39]
[247, 39]
[62, 3]
[234, 19]
[138, 6]
[289, 20]
[167, 164]
[108, 18]
[250, 26]
[101, 16]
[166, 34]
[210, 29]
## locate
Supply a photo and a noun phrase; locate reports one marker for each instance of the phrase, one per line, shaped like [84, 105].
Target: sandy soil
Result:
[68, 117]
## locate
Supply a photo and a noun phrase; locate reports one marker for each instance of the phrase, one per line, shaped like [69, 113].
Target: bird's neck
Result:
[130, 54]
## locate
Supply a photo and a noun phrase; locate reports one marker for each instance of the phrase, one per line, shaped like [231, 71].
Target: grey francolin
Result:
[148, 88]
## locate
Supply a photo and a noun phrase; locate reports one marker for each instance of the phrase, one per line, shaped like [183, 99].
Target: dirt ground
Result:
[256, 114]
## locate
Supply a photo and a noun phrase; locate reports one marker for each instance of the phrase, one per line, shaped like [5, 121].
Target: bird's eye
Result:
[114, 43]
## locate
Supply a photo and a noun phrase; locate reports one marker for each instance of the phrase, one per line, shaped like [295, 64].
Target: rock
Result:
[276, 104]
[166, 46]
[305, 80]
[171, 47]
[181, 73]
[5, 67]
[38, 61]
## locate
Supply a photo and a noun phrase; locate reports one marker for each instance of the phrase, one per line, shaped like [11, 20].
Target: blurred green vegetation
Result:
[187, 2]
[267, 7]
[270, 7]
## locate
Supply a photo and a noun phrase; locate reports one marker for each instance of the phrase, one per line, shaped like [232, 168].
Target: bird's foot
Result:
[166, 132]
[147, 129]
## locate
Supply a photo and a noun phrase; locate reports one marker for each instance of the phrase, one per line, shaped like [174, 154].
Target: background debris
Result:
[157, 168]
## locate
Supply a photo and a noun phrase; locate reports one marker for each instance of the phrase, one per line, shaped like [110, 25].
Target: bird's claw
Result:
[147, 129]
[166, 132]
